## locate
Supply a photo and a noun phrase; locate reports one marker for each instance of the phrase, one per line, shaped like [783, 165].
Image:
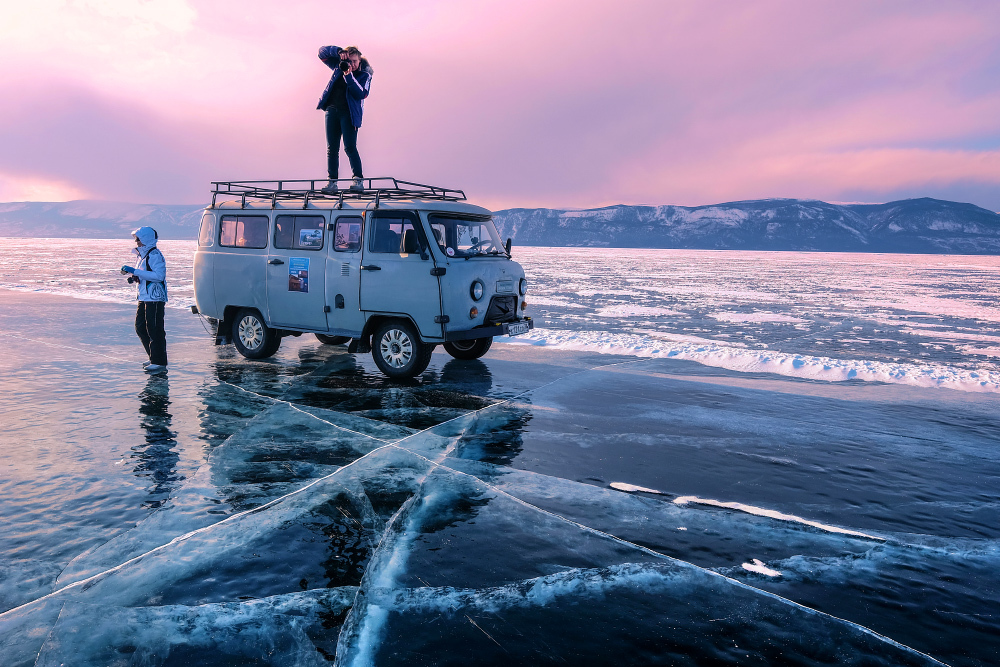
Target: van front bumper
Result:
[487, 331]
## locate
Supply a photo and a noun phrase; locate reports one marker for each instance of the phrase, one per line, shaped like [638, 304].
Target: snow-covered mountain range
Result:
[96, 219]
[912, 225]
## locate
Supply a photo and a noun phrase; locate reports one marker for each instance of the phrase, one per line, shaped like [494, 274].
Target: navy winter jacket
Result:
[358, 83]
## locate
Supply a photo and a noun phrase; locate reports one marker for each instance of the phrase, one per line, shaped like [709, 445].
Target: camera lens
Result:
[344, 65]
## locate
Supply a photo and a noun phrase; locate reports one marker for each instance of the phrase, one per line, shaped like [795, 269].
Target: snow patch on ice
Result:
[985, 351]
[562, 302]
[758, 317]
[742, 360]
[759, 567]
[632, 488]
[773, 514]
[628, 310]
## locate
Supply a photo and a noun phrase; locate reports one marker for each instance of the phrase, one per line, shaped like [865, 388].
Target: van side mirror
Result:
[507, 246]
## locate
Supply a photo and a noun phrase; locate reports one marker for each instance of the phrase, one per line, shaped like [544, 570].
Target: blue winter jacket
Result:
[358, 83]
[151, 270]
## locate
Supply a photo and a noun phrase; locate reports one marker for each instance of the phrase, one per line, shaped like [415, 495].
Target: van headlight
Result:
[476, 290]
[523, 286]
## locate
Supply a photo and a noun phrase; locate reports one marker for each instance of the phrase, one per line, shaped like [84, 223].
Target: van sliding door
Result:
[296, 273]
[343, 274]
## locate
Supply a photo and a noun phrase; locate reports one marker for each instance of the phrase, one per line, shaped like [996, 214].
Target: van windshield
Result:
[466, 236]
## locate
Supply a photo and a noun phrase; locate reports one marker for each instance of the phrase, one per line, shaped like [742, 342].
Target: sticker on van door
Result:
[310, 238]
[298, 274]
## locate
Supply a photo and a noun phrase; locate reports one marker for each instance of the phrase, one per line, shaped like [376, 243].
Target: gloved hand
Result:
[127, 269]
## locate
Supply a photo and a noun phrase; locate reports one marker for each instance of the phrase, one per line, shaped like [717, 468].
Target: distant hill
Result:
[912, 225]
[97, 219]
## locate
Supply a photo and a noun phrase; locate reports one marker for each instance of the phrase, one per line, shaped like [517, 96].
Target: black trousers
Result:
[149, 326]
[340, 126]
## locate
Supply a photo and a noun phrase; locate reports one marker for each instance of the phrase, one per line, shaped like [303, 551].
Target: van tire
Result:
[332, 340]
[252, 337]
[469, 349]
[397, 350]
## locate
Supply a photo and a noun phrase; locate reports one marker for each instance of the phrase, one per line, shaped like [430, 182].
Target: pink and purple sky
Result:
[521, 103]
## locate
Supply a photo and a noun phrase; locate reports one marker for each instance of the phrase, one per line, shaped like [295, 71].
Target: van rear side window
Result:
[299, 232]
[205, 234]
[243, 231]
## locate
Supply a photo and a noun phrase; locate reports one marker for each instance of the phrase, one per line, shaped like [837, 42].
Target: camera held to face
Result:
[345, 66]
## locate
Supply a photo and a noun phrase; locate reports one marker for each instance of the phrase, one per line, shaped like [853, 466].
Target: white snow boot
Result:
[358, 185]
[331, 188]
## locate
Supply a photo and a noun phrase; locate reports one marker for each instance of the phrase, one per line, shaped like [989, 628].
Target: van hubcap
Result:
[251, 333]
[396, 348]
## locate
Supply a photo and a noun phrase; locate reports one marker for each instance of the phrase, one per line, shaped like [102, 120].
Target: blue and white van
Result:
[396, 269]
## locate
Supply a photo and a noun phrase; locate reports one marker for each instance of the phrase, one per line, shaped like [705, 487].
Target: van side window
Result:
[299, 232]
[243, 231]
[391, 235]
[205, 234]
[347, 235]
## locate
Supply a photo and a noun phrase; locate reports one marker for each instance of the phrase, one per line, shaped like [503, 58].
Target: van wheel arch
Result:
[375, 321]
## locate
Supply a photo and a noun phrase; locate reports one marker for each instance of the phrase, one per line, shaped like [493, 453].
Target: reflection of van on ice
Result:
[407, 267]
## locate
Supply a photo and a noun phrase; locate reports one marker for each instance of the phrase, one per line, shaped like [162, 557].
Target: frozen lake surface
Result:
[926, 320]
[540, 506]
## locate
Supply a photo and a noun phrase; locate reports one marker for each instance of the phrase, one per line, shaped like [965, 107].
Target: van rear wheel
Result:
[332, 340]
[398, 352]
[469, 349]
[252, 337]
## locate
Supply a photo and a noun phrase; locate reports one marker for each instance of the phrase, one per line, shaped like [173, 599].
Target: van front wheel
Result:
[469, 349]
[252, 337]
[398, 352]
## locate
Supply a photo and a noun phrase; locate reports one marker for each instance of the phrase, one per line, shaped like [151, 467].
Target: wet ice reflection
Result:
[157, 458]
[338, 515]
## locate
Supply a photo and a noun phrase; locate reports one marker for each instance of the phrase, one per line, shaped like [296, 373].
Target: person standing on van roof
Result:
[151, 274]
[343, 101]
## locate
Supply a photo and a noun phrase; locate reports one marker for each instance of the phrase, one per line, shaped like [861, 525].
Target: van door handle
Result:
[371, 267]
[274, 261]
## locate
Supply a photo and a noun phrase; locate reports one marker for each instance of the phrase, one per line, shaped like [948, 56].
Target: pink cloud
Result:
[522, 104]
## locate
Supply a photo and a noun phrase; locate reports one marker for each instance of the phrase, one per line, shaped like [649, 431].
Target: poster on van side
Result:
[298, 274]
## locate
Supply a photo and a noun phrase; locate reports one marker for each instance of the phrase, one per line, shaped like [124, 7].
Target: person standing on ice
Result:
[151, 274]
[343, 101]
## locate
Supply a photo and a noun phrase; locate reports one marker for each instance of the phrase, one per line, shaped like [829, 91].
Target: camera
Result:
[345, 66]
[132, 279]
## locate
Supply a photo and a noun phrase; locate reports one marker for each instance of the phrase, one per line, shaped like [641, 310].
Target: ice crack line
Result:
[69, 347]
[234, 517]
[189, 535]
[657, 554]
[305, 412]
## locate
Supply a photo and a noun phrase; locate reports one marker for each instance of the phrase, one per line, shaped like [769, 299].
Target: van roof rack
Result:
[376, 189]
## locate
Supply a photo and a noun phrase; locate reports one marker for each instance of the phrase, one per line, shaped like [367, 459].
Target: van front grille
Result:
[503, 308]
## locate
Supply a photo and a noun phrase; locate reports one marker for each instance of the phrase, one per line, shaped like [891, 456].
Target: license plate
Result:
[517, 328]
